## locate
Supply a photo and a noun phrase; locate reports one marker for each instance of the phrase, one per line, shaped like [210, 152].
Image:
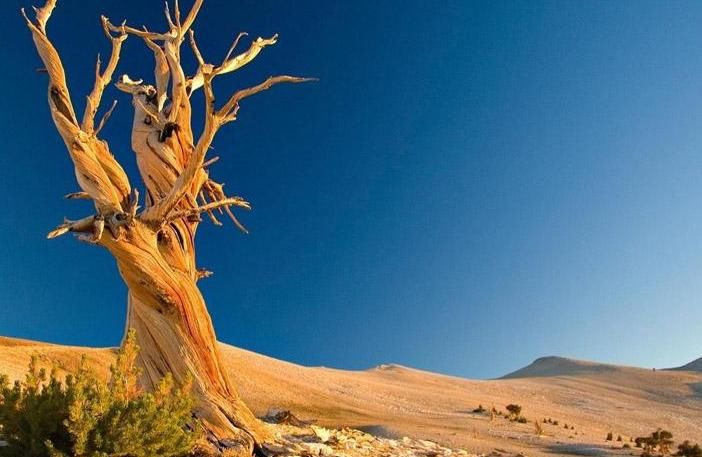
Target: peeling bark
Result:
[155, 247]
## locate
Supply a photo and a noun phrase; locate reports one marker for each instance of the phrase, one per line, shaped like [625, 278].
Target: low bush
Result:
[513, 410]
[687, 449]
[657, 442]
[83, 416]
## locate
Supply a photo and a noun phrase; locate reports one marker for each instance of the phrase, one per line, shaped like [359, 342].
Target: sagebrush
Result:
[84, 416]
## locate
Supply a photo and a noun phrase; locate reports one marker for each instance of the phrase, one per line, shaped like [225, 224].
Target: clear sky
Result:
[469, 186]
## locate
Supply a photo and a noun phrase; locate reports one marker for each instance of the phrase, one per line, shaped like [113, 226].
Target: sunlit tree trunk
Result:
[154, 246]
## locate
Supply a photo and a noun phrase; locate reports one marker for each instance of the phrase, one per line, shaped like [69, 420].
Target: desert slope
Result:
[695, 365]
[398, 401]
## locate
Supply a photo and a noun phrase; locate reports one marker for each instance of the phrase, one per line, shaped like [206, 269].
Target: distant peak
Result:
[695, 365]
[551, 358]
[553, 365]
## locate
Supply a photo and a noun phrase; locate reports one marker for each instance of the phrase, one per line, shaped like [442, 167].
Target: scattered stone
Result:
[309, 441]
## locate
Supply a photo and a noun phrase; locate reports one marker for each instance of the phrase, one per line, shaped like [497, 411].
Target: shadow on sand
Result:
[584, 449]
[379, 430]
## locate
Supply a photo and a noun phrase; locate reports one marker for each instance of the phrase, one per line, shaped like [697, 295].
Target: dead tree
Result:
[154, 246]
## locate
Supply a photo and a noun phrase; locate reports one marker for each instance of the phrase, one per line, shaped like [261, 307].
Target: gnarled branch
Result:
[102, 79]
[97, 172]
[229, 111]
[230, 201]
[233, 64]
[214, 119]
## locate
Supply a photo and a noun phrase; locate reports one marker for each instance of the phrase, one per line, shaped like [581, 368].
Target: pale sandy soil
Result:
[396, 401]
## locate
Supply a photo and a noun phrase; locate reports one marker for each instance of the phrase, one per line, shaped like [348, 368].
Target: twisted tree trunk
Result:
[155, 247]
[175, 334]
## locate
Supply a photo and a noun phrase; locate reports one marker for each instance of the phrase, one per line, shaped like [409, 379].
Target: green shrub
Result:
[84, 417]
[32, 412]
[687, 449]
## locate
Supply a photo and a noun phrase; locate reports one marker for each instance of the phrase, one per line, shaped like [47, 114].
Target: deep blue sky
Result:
[469, 186]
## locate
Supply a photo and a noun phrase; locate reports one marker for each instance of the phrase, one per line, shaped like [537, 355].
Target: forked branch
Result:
[230, 201]
[97, 172]
[214, 119]
[102, 78]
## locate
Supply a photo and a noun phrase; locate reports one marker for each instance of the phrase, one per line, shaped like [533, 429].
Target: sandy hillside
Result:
[395, 401]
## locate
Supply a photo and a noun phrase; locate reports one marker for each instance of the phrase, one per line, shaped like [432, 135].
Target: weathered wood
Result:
[155, 247]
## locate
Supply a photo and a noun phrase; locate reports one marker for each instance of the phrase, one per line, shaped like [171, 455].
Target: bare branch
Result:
[44, 13]
[128, 85]
[161, 72]
[233, 46]
[231, 108]
[106, 117]
[80, 226]
[177, 13]
[216, 191]
[167, 13]
[77, 196]
[102, 79]
[184, 181]
[123, 28]
[232, 201]
[210, 162]
[191, 17]
[233, 64]
[59, 98]
[196, 50]
[211, 215]
[97, 172]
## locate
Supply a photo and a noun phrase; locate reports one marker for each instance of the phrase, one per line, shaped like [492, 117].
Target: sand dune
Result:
[398, 401]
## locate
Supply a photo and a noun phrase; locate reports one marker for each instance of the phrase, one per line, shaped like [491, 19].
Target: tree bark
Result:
[175, 335]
